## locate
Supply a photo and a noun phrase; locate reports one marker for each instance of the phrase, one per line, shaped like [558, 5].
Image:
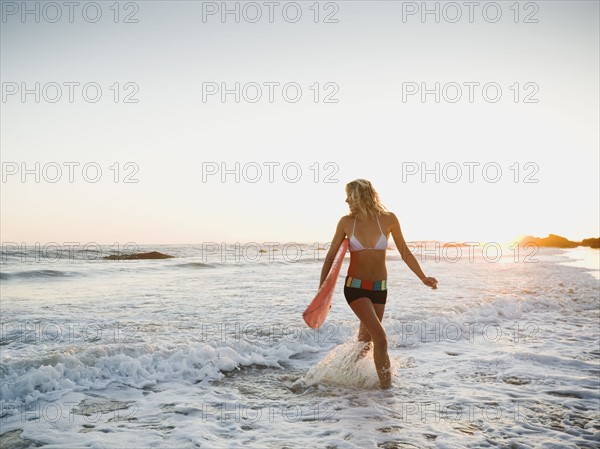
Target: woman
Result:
[368, 226]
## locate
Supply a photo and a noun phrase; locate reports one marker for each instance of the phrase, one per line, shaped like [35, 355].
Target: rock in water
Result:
[557, 241]
[150, 255]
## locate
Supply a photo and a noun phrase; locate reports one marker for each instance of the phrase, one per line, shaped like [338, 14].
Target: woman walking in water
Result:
[368, 226]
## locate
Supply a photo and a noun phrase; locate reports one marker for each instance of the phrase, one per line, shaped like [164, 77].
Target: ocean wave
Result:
[138, 366]
[34, 274]
[195, 265]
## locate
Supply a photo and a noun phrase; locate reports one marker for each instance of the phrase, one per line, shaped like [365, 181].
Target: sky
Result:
[188, 122]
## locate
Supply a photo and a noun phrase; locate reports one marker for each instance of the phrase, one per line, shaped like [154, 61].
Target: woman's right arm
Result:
[337, 240]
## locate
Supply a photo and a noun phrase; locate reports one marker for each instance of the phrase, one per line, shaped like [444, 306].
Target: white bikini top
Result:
[355, 245]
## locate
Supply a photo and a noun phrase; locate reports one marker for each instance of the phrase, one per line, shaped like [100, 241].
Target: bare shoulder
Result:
[390, 219]
[344, 221]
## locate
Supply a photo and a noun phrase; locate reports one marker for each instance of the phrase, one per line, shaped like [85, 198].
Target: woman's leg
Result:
[363, 333]
[370, 316]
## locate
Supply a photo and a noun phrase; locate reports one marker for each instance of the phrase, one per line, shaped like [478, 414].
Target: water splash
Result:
[349, 364]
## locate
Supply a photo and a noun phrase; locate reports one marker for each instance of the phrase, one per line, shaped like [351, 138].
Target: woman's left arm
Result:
[407, 255]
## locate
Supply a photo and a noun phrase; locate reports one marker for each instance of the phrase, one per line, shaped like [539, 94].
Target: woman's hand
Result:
[430, 282]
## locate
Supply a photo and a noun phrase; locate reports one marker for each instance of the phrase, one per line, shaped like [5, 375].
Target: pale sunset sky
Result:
[359, 102]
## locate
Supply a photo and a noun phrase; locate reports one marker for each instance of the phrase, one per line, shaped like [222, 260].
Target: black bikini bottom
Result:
[353, 293]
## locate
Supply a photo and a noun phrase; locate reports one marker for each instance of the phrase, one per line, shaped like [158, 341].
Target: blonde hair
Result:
[365, 198]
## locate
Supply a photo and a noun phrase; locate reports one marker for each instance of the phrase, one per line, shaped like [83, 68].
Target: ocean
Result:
[209, 350]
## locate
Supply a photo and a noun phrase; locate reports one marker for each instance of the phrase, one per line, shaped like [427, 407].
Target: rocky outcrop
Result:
[592, 243]
[135, 256]
[556, 241]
